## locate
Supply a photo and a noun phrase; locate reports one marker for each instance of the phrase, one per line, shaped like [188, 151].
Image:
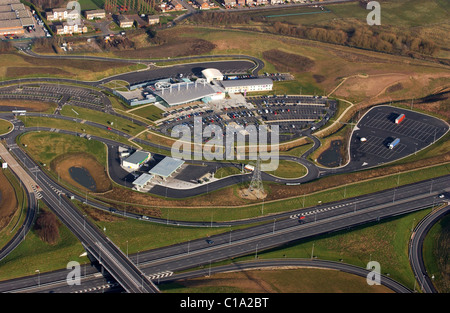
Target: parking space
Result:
[293, 114]
[373, 141]
[54, 93]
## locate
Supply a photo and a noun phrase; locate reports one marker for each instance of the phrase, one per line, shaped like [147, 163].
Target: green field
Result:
[435, 253]
[33, 254]
[45, 146]
[5, 127]
[102, 118]
[289, 169]
[150, 112]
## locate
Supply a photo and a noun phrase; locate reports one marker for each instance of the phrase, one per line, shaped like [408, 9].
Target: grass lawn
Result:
[150, 112]
[5, 127]
[19, 204]
[15, 65]
[223, 172]
[102, 118]
[31, 121]
[292, 280]
[45, 146]
[33, 254]
[289, 169]
[435, 253]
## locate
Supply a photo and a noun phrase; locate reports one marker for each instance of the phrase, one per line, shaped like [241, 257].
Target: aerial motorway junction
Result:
[139, 273]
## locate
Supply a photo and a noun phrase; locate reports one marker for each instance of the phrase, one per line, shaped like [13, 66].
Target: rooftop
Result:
[166, 167]
[143, 179]
[246, 82]
[137, 157]
[180, 93]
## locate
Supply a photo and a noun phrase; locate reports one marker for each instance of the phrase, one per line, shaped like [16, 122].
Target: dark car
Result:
[209, 241]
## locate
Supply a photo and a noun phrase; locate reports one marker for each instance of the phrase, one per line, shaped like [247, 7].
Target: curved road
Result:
[416, 248]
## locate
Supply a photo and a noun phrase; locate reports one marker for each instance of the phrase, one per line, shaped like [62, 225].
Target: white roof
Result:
[180, 93]
[166, 167]
[143, 179]
[246, 82]
[211, 73]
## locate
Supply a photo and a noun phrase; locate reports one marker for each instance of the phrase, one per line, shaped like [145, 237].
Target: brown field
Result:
[288, 62]
[35, 106]
[17, 71]
[300, 280]
[8, 201]
[61, 164]
[174, 47]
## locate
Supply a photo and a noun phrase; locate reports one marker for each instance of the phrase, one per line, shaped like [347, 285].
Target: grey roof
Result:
[137, 157]
[246, 82]
[166, 167]
[143, 179]
[185, 92]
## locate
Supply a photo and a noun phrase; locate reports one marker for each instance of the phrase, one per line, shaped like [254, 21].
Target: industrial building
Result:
[136, 160]
[166, 167]
[14, 17]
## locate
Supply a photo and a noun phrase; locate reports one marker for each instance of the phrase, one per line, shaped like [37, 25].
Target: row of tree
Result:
[220, 18]
[362, 36]
[386, 39]
[142, 6]
[48, 4]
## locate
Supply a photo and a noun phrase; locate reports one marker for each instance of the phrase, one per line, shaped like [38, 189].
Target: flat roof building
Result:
[185, 92]
[166, 167]
[142, 181]
[136, 160]
[212, 74]
[14, 16]
[247, 85]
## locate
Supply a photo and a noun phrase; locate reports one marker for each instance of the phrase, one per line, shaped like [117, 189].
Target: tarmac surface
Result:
[416, 132]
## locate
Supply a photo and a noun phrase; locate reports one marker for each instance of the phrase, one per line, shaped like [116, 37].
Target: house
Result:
[60, 14]
[241, 3]
[177, 6]
[153, 19]
[92, 14]
[125, 22]
[205, 6]
[229, 3]
[68, 28]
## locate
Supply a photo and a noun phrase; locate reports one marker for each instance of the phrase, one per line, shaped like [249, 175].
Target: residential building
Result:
[125, 22]
[153, 19]
[229, 3]
[68, 28]
[92, 14]
[60, 14]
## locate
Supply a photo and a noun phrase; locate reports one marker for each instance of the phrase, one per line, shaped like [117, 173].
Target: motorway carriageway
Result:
[273, 234]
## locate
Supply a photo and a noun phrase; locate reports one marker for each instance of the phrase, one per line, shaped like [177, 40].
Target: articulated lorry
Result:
[394, 143]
